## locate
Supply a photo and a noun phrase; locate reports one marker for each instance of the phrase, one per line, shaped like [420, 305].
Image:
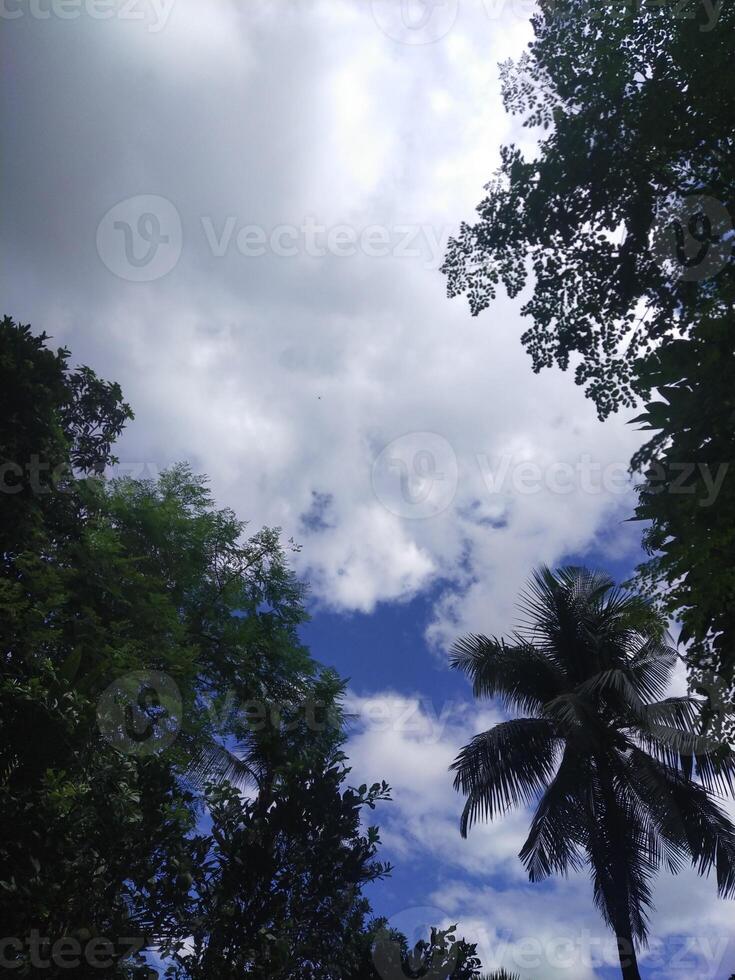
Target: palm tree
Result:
[622, 781]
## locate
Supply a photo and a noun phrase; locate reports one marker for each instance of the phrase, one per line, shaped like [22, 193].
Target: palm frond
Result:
[519, 675]
[614, 687]
[576, 586]
[558, 830]
[214, 763]
[505, 766]
[574, 714]
[679, 712]
[686, 817]
[651, 666]
[560, 613]
[672, 732]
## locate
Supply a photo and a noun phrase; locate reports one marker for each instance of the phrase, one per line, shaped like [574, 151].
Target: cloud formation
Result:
[311, 167]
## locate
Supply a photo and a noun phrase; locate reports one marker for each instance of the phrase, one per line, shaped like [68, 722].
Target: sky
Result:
[238, 211]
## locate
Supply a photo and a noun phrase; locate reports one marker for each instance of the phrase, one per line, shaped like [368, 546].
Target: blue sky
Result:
[239, 213]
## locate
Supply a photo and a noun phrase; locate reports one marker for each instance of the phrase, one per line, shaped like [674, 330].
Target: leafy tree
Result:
[688, 498]
[104, 582]
[441, 957]
[624, 218]
[80, 827]
[634, 104]
[280, 893]
[153, 580]
[622, 781]
[53, 420]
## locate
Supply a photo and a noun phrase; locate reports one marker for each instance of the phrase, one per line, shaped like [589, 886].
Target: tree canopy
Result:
[621, 226]
[624, 213]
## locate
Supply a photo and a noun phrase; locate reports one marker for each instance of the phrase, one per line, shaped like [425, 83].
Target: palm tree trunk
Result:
[619, 900]
[626, 953]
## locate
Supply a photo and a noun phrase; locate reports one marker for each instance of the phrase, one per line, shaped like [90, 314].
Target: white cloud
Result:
[284, 376]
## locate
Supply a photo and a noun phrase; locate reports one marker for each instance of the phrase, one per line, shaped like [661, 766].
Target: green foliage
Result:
[100, 579]
[635, 106]
[210, 820]
[81, 828]
[54, 420]
[622, 781]
[635, 103]
[280, 895]
[442, 957]
[691, 508]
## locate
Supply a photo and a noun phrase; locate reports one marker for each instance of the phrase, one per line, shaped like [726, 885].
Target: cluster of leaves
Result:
[236, 851]
[81, 828]
[691, 508]
[615, 220]
[279, 892]
[638, 106]
[442, 955]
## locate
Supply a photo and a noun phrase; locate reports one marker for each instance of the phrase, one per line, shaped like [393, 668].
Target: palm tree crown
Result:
[622, 780]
